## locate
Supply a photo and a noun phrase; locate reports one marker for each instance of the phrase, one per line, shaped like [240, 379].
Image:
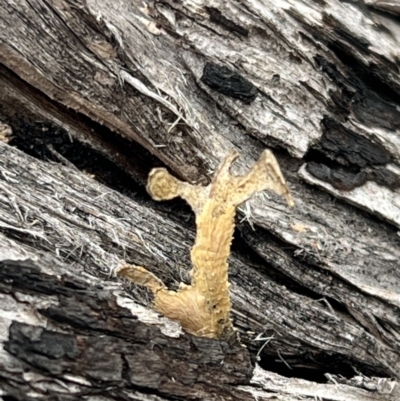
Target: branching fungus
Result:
[203, 308]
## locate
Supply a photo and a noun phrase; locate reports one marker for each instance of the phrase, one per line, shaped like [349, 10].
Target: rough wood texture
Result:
[116, 88]
[68, 330]
[128, 353]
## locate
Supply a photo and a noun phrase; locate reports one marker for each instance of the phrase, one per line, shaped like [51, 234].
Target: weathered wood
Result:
[127, 353]
[70, 227]
[84, 83]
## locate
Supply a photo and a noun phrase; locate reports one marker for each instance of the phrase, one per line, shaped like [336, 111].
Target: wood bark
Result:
[96, 93]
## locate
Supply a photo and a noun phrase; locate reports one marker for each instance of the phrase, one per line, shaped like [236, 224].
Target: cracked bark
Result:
[95, 94]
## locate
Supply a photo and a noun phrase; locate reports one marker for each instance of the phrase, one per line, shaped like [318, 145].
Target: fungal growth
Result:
[203, 308]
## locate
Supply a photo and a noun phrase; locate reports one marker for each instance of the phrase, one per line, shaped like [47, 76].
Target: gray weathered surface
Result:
[328, 82]
[63, 233]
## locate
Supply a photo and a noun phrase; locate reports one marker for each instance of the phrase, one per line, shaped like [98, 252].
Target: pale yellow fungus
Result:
[203, 308]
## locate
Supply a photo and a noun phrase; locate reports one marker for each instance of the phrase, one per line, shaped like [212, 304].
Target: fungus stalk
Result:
[203, 308]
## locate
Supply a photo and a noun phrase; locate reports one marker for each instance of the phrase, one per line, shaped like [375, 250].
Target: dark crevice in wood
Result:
[34, 134]
[369, 80]
[349, 38]
[374, 102]
[346, 181]
[387, 12]
[317, 156]
[384, 177]
[341, 99]
[218, 18]
[310, 367]
[314, 367]
[371, 110]
[35, 139]
[193, 18]
[365, 91]
[275, 364]
[12, 398]
[350, 148]
[362, 159]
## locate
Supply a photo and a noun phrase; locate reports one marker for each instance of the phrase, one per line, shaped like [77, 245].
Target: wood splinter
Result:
[203, 308]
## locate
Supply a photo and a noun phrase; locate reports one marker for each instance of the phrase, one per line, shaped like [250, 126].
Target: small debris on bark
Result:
[229, 83]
